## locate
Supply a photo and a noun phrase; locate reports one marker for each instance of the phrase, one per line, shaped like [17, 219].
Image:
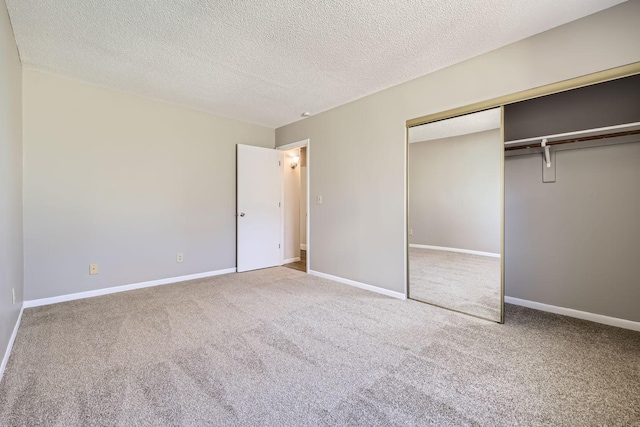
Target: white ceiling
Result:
[456, 126]
[267, 61]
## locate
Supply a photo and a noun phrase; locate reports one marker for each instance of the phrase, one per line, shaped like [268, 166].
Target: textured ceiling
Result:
[268, 61]
[461, 125]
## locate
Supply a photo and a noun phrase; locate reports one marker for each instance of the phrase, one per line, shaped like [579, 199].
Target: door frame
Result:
[298, 144]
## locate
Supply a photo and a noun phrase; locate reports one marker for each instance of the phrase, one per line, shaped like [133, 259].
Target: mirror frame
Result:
[562, 86]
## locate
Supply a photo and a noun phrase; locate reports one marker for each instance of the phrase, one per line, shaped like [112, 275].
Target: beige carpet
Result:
[280, 348]
[463, 282]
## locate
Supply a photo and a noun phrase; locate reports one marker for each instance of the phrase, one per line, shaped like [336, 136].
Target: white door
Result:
[259, 192]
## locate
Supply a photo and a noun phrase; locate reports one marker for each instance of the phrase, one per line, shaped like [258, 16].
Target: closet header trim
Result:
[588, 80]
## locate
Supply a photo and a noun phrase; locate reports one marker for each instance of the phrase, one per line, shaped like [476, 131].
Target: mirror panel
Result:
[455, 213]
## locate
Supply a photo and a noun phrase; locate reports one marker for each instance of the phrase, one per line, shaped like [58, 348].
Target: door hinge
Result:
[279, 164]
[279, 205]
[278, 245]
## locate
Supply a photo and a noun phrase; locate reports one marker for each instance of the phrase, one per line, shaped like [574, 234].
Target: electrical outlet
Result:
[319, 200]
[13, 295]
[179, 257]
[93, 269]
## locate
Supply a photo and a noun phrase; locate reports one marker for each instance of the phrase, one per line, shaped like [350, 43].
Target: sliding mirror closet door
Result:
[455, 213]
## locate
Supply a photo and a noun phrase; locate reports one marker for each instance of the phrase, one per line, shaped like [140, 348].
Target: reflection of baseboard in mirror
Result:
[455, 203]
[462, 251]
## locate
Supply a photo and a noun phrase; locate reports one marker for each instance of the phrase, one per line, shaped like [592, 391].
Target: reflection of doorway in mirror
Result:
[455, 199]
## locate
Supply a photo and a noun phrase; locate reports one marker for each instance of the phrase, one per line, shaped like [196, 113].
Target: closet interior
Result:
[572, 199]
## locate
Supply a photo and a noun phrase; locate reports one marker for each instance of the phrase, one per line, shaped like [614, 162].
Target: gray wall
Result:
[124, 182]
[358, 232]
[576, 242]
[454, 192]
[11, 265]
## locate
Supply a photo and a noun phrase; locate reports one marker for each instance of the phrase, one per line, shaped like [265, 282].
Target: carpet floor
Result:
[278, 347]
[463, 282]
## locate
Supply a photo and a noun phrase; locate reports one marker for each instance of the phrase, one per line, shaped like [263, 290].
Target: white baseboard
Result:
[584, 315]
[360, 285]
[7, 353]
[462, 251]
[123, 288]
[303, 247]
[287, 261]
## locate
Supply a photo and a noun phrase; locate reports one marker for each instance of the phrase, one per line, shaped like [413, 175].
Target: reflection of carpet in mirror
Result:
[468, 283]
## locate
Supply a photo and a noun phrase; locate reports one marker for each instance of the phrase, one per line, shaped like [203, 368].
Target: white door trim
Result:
[303, 143]
[282, 178]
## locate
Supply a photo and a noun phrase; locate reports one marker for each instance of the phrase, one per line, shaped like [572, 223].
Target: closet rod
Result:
[569, 140]
[576, 133]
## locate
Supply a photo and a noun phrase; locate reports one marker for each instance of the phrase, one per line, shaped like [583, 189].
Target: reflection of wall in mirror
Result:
[454, 186]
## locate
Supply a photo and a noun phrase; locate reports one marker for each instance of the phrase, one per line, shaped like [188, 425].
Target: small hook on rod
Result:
[547, 156]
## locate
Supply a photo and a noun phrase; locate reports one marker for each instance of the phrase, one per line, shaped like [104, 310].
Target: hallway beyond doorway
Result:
[299, 265]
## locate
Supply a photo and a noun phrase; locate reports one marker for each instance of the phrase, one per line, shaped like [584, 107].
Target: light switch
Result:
[319, 200]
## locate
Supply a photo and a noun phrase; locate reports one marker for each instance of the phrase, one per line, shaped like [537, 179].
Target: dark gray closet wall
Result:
[605, 104]
[575, 243]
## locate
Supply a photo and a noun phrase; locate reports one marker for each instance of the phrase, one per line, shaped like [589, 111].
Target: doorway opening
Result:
[295, 218]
